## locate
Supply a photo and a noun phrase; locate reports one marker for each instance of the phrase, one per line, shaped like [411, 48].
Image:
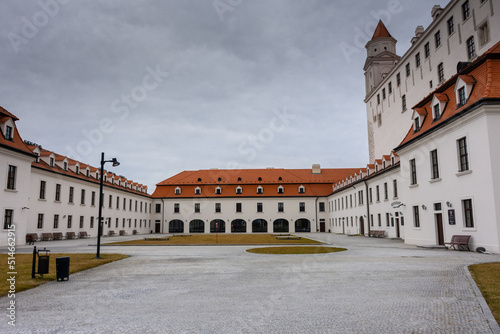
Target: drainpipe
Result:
[367, 207]
[162, 214]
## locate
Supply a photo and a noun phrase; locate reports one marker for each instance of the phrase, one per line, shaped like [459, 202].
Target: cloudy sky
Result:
[173, 85]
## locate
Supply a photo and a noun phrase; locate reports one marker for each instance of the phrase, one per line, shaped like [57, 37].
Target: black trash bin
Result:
[62, 268]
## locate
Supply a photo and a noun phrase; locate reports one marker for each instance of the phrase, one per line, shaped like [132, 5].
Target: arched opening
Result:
[238, 226]
[302, 225]
[176, 226]
[217, 226]
[280, 226]
[196, 226]
[259, 225]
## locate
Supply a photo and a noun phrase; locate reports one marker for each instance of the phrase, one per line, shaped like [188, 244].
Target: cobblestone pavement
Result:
[377, 286]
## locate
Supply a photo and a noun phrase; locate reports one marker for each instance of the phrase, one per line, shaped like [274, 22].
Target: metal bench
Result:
[460, 241]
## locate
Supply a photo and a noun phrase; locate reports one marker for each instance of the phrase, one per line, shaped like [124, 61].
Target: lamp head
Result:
[115, 162]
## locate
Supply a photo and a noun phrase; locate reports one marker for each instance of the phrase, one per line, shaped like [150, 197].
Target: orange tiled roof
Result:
[380, 31]
[484, 72]
[17, 142]
[248, 180]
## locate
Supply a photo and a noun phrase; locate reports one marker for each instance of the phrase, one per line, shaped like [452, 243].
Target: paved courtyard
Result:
[377, 286]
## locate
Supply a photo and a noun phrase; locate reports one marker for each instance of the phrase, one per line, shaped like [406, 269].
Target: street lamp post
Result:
[101, 184]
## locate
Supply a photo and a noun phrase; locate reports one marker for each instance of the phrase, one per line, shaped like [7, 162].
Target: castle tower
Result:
[381, 57]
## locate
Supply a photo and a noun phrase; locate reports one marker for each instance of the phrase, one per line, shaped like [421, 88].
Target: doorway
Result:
[439, 228]
[361, 226]
[157, 226]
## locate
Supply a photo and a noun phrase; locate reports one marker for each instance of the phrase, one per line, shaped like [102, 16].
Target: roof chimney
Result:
[316, 169]
[419, 31]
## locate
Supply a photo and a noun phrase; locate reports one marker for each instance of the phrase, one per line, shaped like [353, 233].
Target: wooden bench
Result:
[58, 236]
[111, 233]
[377, 234]
[134, 232]
[84, 235]
[460, 241]
[47, 236]
[288, 237]
[70, 235]
[122, 232]
[31, 238]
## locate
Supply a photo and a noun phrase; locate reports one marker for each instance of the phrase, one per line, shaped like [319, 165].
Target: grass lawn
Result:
[295, 250]
[487, 277]
[221, 239]
[77, 262]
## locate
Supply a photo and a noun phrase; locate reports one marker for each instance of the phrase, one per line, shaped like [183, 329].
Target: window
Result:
[177, 191]
[302, 207]
[302, 190]
[42, 189]
[389, 86]
[468, 214]
[51, 162]
[427, 50]
[39, 225]
[157, 208]
[238, 207]
[434, 165]
[451, 26]
[124, 203]
[217, 207]
[370, 195]
[360, 195]
[408, 71]
[462, 100]
[387, 219]
[484, 34]
[260, 190]
[395, 188]
[7, 219]
[58, 193]
[416, 216]
[218, 191]
[239, 191]
[463, 154]
[176, 207]
[378, 98]
[437, 112]
[465, 10]
[417, 60]
[56, 222]
[280, 190]
[130, 205]
[71, 191]
[11, 177]
[197, 191]
[111, 202]
[386, 191]
[117, 202]
[413, 172]
[437, 39]
[416, 124]
[92, 199]
[135, 204]
[398, 79]
[383, 93]
[92, 222]
[471, 48]
[8, 132]
[321, 206]
[70, 220]
[259, 207]
[281, 207]
[81, 221]
[403, 102]
[65, 166]
[440, 73]
[197, 207]
[82, 197]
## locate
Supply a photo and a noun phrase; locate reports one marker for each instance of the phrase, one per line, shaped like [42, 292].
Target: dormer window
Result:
[260, 190]
[436, 112]
[197, 191]
[219, 179]
[416, 124]
[418, 117]
[239, 191]
[302, 190]
[65, 166]
[77, 170]
[239, 179]
[88, 173]
[439, 102]
[97, 175]
[218, 190]
[105, 178]
[281, 190]
[463, 89]
[383, 164]
[199, 179]
[8, 132]
[37, 159]
[376, 168]
[260, 179]
[177, 191]
[280, 178]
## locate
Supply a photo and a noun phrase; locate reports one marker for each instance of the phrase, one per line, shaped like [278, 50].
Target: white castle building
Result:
[432, 114]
